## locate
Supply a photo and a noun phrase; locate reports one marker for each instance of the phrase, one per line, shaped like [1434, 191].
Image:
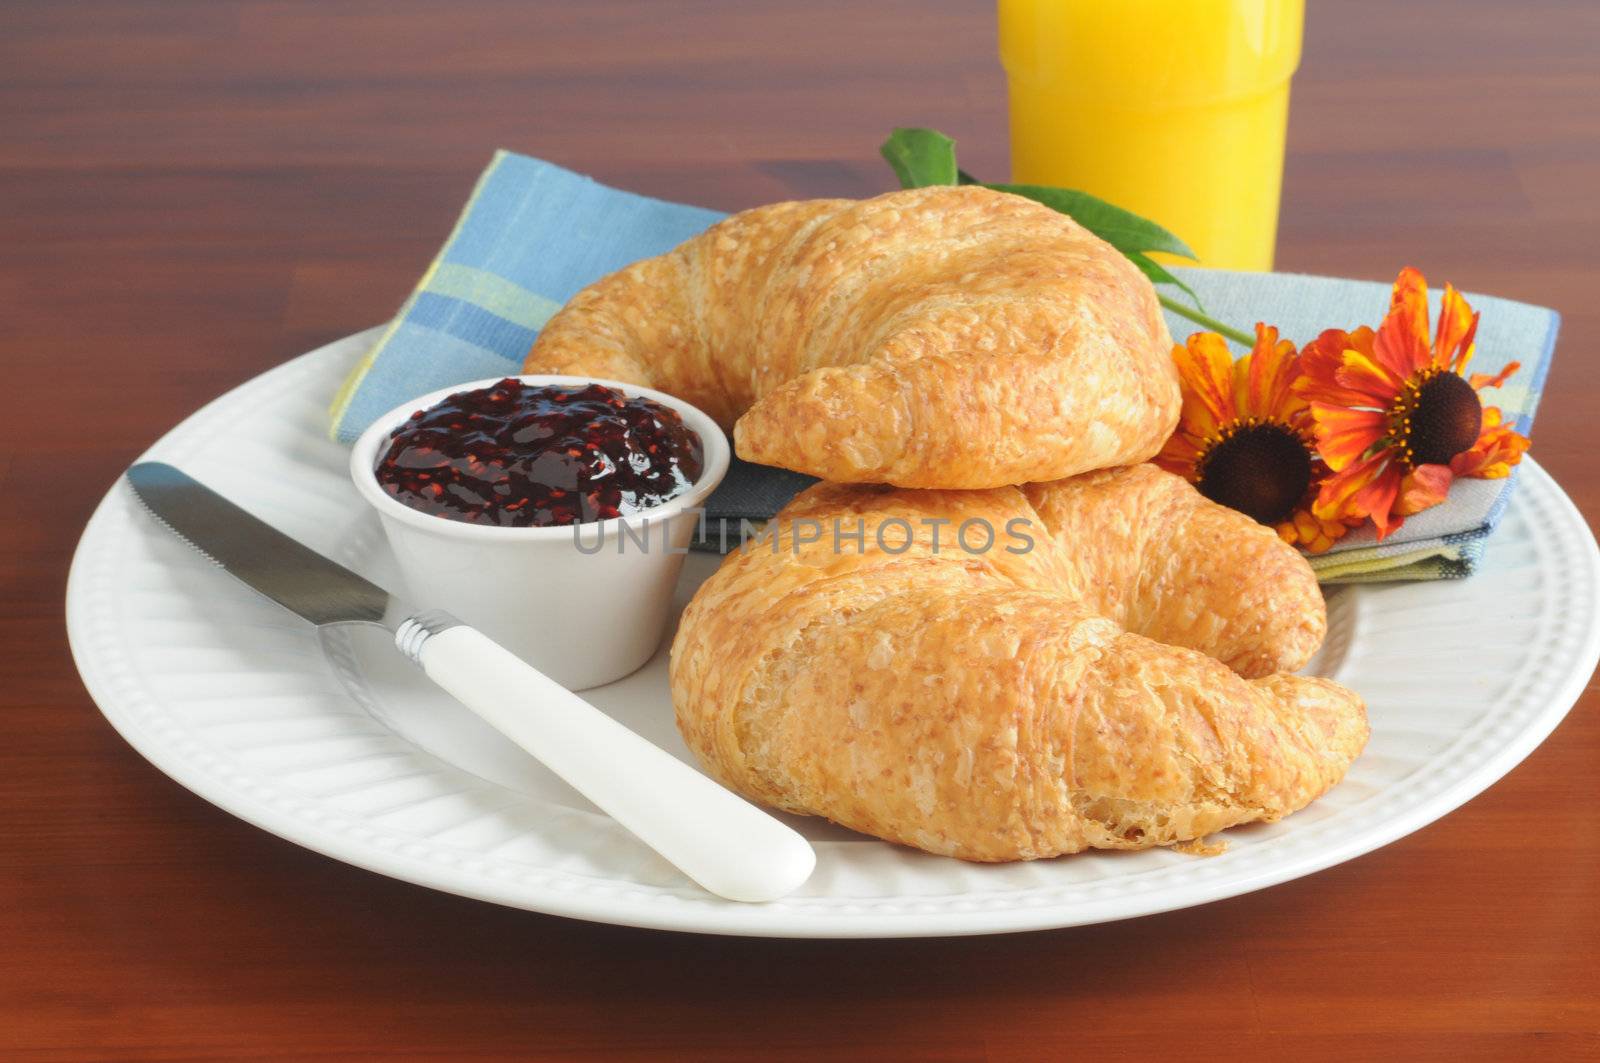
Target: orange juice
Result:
[1174, 109]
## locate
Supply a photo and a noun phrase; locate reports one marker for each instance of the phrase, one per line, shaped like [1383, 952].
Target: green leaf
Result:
[1122, 229]
[1158, 273]
[921, 157]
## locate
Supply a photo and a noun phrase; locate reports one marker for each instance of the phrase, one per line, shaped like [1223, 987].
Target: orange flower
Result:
[1244, 438]
[1395, 419]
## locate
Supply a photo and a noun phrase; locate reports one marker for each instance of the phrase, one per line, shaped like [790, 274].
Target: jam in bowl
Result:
[553, 513]
[539, 455]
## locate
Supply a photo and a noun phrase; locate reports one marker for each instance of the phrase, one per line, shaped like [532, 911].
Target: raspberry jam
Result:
[521, 455]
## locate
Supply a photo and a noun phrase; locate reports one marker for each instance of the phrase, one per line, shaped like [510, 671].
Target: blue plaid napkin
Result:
[533, 234]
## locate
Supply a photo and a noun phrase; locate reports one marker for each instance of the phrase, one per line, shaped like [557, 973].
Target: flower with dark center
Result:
[1436, 417]
[1259, 468]
[1244, 438]
[1395, 418]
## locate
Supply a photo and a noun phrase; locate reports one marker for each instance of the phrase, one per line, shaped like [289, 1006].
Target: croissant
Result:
[934, 337]
[1011, 703]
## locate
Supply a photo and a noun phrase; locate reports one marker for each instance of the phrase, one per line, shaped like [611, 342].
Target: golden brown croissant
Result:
[934, 337]
[1003, 705]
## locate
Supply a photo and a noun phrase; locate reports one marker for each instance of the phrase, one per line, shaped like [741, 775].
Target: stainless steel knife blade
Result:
[253, 551]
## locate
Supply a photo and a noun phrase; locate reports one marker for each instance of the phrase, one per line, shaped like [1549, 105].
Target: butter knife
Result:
[724, 843]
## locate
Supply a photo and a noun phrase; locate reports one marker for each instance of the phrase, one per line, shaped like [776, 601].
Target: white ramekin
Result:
[580, 615]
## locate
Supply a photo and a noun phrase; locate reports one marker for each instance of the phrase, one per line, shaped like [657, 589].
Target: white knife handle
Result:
[723, 842]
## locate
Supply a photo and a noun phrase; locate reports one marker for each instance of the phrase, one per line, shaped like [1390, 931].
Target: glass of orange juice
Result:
[1173, 109]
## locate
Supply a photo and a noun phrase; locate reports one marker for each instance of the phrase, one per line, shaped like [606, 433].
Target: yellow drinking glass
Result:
[1173, 109]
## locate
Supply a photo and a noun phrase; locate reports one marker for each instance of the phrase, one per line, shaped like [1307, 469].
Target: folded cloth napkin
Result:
[533, 234]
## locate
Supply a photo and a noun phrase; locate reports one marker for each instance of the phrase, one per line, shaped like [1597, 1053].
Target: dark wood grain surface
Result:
[191, 193]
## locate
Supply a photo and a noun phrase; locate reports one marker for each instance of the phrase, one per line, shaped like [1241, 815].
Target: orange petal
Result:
[1410, 293]
[1484, 380]
[1300, 528]
[1305, 525]
[1237, 374]
[1196, 418]
[1180, 455]
[1270, 371]
[1314, 534]
[1333, 531]
[1377, 500]
[1399, 346]
[1205, 370]
[1408, 303]
[1452, 343]
[1336, 498]
[1321, 360]
[1422, 488]
[1343, 434]
[1362, 339]
[1368, 377]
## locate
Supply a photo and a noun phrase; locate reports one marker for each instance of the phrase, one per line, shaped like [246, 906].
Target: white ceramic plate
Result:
[335, 743]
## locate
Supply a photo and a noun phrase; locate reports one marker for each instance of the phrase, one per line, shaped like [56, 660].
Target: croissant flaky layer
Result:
[933, 337]
[1011, 703]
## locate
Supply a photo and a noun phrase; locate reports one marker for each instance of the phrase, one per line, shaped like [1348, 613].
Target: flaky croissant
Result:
[934, 337]
[1009, 704]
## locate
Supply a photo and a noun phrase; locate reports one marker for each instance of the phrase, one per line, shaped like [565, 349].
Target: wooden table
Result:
[193, 192]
